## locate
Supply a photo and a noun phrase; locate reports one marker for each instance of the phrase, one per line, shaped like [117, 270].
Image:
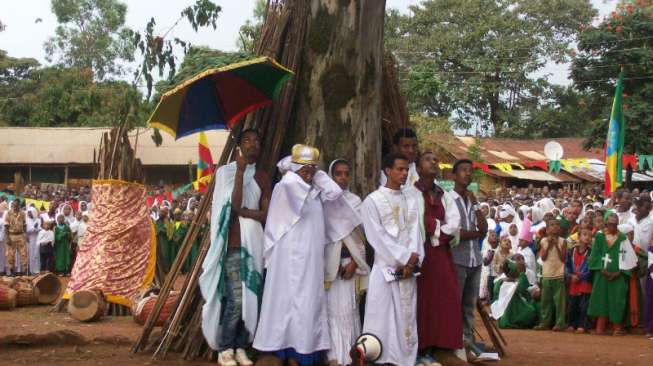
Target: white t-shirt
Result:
[644, 232]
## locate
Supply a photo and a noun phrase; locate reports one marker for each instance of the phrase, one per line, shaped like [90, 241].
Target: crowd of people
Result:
[35, 238]
[410, 263]
[300, 270]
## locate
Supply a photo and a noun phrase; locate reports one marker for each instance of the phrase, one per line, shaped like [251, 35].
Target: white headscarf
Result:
[546, 205]
[189, 204]
[351, 198]
[70, 219]
[30, 222]
[284, 164]
[82, 228]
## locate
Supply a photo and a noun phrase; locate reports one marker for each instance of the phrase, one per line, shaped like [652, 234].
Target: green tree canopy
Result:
[474, 61]
[91, 34]
[251, 31]
[624, 39]
[58, 96]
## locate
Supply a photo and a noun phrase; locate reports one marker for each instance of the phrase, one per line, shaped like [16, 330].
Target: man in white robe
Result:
[404, 142]
[293, 322]
[390, 218]
[232, 277]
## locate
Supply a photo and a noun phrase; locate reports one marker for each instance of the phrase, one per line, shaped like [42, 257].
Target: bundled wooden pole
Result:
[492, 330]
[185, 299]
[186, 246]
[184, 251]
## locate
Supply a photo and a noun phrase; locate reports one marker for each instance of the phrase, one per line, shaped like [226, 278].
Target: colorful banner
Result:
[615, 141]
[39, 204]
[629, 160]
[204, 163]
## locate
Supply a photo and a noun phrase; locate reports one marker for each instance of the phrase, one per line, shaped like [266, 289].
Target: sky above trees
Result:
[29, 23]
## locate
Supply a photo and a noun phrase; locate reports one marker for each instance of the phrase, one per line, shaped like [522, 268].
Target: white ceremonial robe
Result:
[391, 226]
[293, 311]
[342, 305]
[211, 281]
[33, 252]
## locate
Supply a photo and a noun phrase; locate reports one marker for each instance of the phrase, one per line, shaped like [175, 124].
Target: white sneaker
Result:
[242, 359]
[226, 358]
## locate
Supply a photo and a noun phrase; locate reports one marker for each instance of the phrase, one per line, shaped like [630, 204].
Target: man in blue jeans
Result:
[232, 279]
[467, 254]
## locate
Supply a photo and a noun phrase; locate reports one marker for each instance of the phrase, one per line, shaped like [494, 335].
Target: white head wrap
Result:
[284, 164]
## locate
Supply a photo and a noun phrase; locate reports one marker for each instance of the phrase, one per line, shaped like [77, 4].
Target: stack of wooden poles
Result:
[282, 37]
[116, 159]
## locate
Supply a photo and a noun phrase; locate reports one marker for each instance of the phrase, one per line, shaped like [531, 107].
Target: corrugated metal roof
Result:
[75, 145]
[497, 150]
[538, 175]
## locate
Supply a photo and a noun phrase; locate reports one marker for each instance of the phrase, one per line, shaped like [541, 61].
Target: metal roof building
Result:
[65, 154]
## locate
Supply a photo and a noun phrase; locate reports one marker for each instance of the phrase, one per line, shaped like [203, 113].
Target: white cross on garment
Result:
[606, 260]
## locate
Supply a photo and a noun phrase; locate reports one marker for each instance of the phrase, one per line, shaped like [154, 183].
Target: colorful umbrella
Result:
[217, 98]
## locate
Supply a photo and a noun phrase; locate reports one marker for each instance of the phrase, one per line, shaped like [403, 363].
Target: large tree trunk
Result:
[338, 101]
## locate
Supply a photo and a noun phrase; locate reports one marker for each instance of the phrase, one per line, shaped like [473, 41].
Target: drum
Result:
[26, 294]
[7, 297]
[49, 287]
[144, 309]
[87, 305]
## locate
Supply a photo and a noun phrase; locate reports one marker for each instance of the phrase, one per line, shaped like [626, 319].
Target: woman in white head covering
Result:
[343, 260]
[33, 225]
[154, 211]
[82, 228]
[67, 211]
[83, 206]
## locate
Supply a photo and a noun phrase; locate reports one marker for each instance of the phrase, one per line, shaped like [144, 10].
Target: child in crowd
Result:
[513, 234]
[611, 261]
[45, 240]
[62, 241]
[598, 223]
[500, 256]
[579, 278]
[514, 306]
[490, 245]
[553, 294]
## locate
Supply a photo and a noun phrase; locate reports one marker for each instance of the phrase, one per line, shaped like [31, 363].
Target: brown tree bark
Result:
[338, 101]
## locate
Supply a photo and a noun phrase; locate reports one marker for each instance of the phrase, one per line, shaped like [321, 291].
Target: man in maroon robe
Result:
[439, 323]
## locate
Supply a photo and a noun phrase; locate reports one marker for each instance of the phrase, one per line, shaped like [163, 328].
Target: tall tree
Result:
[250, 32]
[91, 34]
[622, 40]
[58, 96]
[552, 111]
[338, 107]
[482, 54]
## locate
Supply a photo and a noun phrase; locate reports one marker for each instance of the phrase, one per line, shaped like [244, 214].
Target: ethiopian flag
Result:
[204, 164]
[614, 144]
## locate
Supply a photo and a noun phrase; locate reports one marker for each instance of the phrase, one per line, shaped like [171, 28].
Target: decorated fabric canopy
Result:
[118, 254]
[217, 98]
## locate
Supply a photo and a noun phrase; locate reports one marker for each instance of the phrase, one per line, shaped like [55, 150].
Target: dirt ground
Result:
[108, 342]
